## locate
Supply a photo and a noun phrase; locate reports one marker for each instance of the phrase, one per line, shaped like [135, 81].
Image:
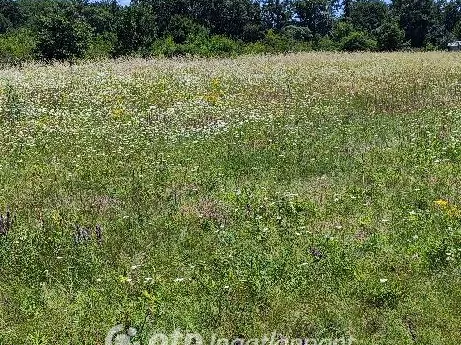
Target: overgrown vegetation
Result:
[76, 29]
[312, 194]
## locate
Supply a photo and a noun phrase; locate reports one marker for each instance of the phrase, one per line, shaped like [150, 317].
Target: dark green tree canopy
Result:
[390, 36]
[63, 34]
[416, 17]
[72, 29]
[368, 15]
[317, 15]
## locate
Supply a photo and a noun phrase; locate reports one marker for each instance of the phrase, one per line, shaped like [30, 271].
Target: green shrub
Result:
[222, 46]
[357, 41]
[208, 46]
[63, 36]
[183, 29]
[101, 46]
[276, 42]
[389, 37]
[17, 47]
[255, 48]
[325, 44]
[252, 33]
[165, 47]
[430, 47]
[341, 30]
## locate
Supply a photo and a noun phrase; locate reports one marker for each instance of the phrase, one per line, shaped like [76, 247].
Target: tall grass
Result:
[313, 194]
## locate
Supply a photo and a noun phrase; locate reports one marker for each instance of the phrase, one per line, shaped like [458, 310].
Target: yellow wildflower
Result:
[449, 210]
[442, 203]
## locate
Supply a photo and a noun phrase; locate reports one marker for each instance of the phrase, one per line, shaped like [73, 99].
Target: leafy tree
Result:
[276, 42]
[341, 29]
[389, 36]
[233, 18]
[416, 18]
[70, 29]
[457, 30]
[451, 13]
[17, 47]
[277, 13]
[368, 15]
[5, 24]
[10, 15]
[161, 11]
[253, 32]
[315, 14]
[33, 11]
[182, 28]
[136, 29]
[347, 5]
[63, 34]
[101, 46]
[101, 16]
[357, 41]
[438, 37]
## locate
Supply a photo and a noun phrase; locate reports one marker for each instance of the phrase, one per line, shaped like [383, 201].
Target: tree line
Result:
[77, 29]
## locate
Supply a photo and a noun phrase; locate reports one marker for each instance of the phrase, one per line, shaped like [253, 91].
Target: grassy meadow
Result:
[314, 194]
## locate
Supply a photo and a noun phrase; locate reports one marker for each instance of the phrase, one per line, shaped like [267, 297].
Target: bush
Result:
[341, 30]
[183, 29]
[63, 35]
[165, 47]
[325, 44]
[357, 41]
[17, 47]
[279, 43]
[389, 37]
[196, 46]
[101, 46]
[255, 48]
[210, 46]
[276, 43]
[429, 47]
[222, 46]
[438, 37]
[252, 33]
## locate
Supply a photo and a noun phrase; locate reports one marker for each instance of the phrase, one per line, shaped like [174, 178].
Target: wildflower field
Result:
[316, 194]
